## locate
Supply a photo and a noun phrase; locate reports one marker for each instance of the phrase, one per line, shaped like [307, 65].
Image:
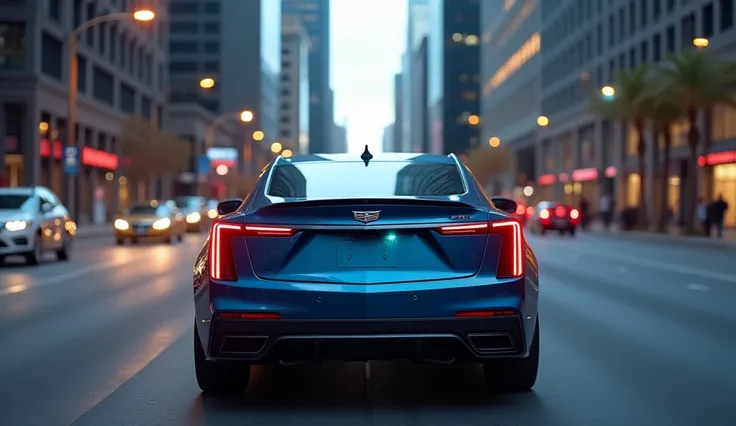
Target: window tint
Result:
[188, 202]
[146, 209]
[322, 180]
[20, 202]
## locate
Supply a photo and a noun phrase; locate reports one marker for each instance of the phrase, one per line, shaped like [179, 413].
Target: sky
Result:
[368, 39]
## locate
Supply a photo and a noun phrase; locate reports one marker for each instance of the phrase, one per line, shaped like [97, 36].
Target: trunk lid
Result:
[333, 245]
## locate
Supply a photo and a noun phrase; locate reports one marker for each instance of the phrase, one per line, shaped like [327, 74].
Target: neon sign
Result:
[90, 157]
[581, 175]
[547, 179]
[717, 158]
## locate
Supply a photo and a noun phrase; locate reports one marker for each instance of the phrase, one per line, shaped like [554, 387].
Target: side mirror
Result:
[46, 208]
[505, 204]
[228, 206]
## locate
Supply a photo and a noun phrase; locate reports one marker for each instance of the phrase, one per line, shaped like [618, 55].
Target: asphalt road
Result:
[631, 335]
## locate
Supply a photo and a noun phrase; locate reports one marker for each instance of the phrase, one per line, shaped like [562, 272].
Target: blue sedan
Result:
[359, 258]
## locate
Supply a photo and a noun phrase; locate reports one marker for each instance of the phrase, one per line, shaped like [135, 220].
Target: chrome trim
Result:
[268, 180]
[462, 173]
[475, 347]
[226, 337]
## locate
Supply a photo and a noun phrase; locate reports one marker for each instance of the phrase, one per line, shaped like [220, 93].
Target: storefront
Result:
[584, 186]
[724, 180]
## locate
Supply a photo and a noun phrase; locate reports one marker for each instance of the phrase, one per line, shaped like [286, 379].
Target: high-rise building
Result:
[315, 16]
[341, 137]
[121, 72]
[207, 40]
[417, 29]
[294, 123]
[453, 75]
[510, 101]
[584, 44]
[397, 143]
[418, 106]
[387, 142]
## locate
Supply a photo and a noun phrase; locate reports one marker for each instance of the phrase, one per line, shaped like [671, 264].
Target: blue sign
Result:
[203, 165]
[70, 163]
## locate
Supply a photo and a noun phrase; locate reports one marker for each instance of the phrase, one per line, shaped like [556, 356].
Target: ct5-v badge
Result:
[366, 217]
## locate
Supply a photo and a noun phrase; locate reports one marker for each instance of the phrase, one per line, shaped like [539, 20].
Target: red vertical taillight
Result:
[222, 259]
[511, 254]
[511, 258]
[222, 262]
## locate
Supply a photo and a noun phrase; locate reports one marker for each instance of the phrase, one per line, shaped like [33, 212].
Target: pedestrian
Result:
[606, 207]
[584, 207]
[718, 212]
[703, 214]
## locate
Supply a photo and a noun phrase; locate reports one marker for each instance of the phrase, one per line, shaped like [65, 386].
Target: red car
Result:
[554, 216]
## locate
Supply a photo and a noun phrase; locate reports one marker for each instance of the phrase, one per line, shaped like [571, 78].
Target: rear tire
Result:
[514, 375]
[218, 379]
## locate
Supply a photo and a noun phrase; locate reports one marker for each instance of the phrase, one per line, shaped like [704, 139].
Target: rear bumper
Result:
[148, 233]
[439, 340]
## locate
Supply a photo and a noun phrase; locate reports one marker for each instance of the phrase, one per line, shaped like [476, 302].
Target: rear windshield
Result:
[324, 180]
[188, 202]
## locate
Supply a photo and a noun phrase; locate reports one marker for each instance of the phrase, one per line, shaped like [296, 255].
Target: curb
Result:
[664, 239]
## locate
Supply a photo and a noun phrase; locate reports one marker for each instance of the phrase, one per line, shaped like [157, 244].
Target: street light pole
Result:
[71, 115]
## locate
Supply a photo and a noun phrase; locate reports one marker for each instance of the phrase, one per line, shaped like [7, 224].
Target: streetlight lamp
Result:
[494, 142]
[286, 153]
[701, 42]
[143, 15]
[207, 83]
[608, 91]
[542, 121]
[276, 147]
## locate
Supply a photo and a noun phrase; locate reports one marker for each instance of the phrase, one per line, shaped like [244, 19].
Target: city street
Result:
[632, 334]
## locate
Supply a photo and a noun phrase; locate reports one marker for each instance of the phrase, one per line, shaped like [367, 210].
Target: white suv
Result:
[33, 221]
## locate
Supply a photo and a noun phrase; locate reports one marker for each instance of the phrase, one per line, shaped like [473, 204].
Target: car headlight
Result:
[212, 214]
[194, 217]
[121, 225]
[162, 224]
[17, 225]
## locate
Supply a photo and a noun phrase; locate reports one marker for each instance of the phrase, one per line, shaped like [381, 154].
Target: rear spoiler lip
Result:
[406, 201]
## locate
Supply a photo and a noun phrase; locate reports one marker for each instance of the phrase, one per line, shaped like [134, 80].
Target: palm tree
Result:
[662, 110]
[698, 82]
[630, 104]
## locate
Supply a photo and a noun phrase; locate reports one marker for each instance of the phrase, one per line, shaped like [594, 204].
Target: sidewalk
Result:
[673, 237]
[94, 231]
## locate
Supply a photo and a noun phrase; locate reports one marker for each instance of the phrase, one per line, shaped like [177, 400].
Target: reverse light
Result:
[511, 255]
[162, 224]
[222, 261]
[544, 214]
[212, 214]
[194, 217]
[121, 225]
[574, 214]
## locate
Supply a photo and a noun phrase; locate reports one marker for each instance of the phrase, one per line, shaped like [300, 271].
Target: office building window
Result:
[81, 74]
[127, 99]
[13, 48]
[183, 8]
[671, 39]
[657, 48]
[632, 16]
[644, 50]
[644, 12]
[103, 86]
[184, 27]
[656, 9]
[212, 27]
[687, 33]
[55, 10]
[707, 21]
[212, 8]
[51, 57]
[726, 8]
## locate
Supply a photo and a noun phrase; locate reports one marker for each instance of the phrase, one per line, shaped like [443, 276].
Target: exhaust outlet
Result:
[250, 345]
[491, 342]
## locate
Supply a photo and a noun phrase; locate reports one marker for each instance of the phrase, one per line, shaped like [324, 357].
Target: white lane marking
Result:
[63, 277]
[664, 266]
[698, 287]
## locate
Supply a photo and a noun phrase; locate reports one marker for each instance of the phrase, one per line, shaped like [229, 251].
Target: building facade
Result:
[294, 108]
[207, 41]
[121, 72]
[510, 101]
[315, 17]
[584, 44]
[418, 107]
[387, 142]
[453, 75]
[341, 138]
[417, 29]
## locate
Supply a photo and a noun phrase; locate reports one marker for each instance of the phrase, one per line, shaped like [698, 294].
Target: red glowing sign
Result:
[564, 177]
[547, 179]
[581, 175]
[90, 156]
[610, 172]
[717, 158]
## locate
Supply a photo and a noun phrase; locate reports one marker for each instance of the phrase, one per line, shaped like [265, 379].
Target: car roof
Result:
[378, 157]
[18, 190]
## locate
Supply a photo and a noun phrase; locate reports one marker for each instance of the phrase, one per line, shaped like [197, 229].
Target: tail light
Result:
[574, 214]
[544, 214]
[222, 261]
[511, 257]
[560, 211]
[520, 209]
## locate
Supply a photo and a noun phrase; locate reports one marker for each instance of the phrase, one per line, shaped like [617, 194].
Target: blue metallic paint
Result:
[418, 297]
